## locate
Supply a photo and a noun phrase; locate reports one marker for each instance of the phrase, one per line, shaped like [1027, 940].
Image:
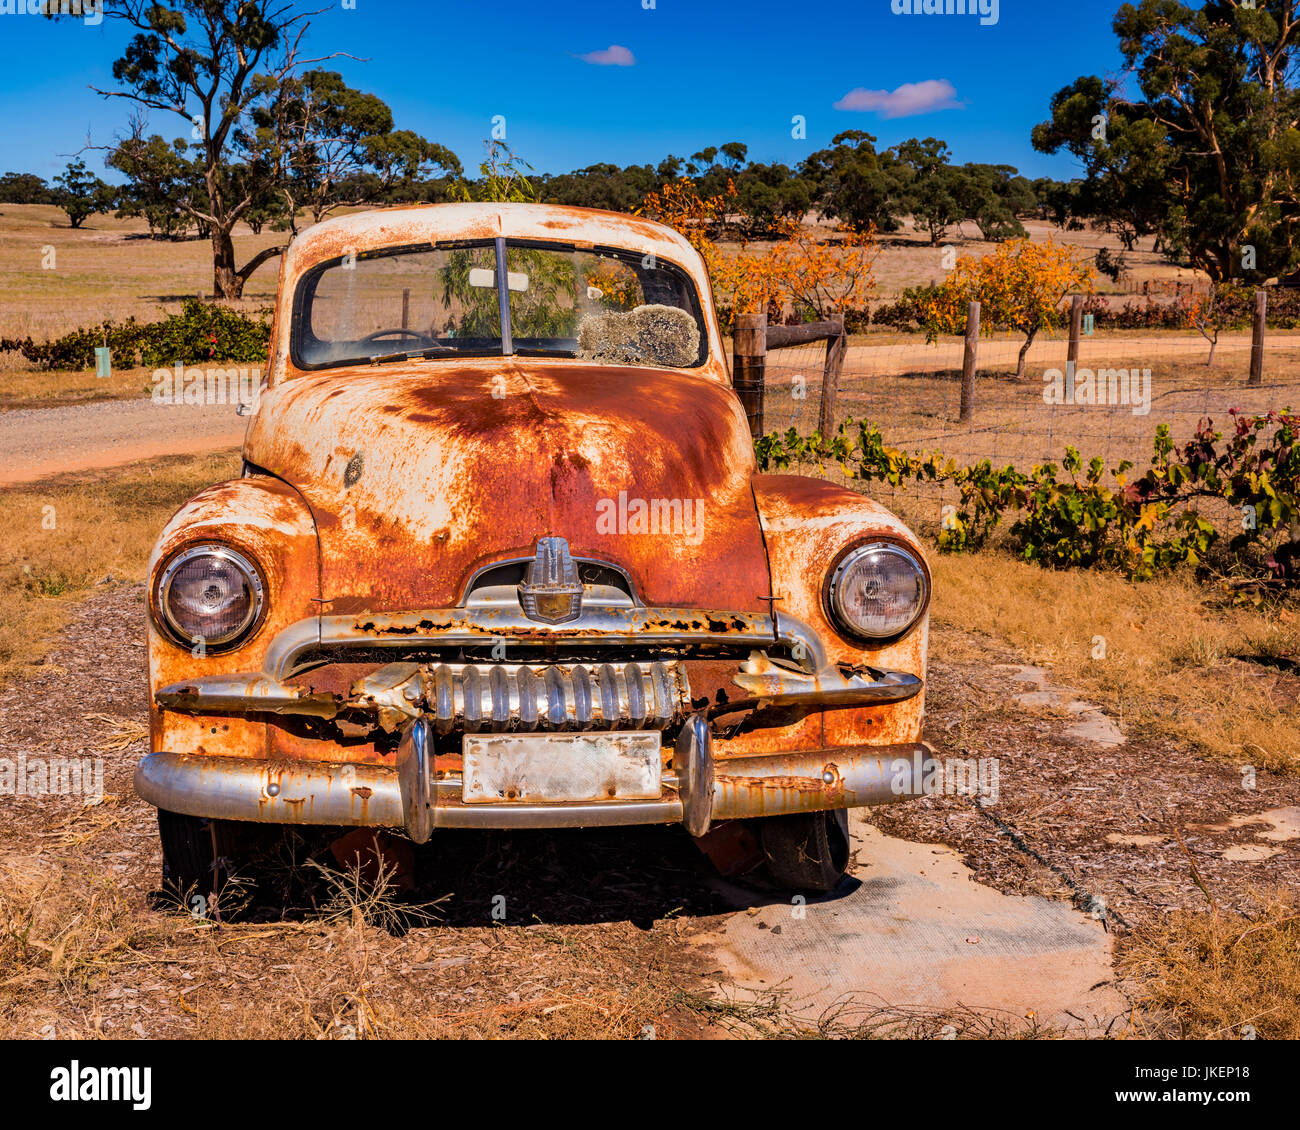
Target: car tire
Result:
[806, 851]
[188, 855]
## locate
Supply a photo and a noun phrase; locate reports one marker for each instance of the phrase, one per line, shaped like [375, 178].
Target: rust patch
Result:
[487, 476]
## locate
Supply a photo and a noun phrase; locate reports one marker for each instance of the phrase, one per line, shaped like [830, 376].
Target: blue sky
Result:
[676, 77]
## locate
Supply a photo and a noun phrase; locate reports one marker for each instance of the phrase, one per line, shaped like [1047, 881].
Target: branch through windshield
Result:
[603, 305]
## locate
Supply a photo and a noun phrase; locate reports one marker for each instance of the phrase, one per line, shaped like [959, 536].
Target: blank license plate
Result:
[561, 767]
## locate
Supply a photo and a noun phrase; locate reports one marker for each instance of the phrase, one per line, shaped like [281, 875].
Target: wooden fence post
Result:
[969, 360]
[1257, 338]
[749, 361]
[836, 347]
[1076, 328]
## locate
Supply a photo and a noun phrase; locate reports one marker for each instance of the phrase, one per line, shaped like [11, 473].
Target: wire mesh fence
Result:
[1109, 403]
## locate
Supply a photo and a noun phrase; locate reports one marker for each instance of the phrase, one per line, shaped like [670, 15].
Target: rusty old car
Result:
[500, 557]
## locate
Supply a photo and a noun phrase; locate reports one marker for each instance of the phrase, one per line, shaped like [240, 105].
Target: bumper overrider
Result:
[546, 743]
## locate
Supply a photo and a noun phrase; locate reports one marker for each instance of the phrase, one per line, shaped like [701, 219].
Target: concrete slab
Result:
[917, 931]
[1093, 724]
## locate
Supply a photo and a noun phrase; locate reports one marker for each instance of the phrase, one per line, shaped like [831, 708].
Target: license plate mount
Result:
[526, 768]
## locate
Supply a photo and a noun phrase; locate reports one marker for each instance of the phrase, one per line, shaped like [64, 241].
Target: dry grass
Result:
[64, 927]
[108, 269]
[33, 388]
[65, 535]
[1178, 661]
[1217, 975]
[74, 946]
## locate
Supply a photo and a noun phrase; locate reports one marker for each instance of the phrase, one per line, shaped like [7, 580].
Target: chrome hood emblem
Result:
[551, 591]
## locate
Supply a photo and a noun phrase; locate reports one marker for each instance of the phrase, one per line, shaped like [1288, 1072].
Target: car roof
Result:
[427, 223]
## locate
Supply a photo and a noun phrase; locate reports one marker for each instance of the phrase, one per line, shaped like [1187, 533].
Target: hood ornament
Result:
[550, 591]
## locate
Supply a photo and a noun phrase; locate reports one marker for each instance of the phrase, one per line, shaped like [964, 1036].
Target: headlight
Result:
[877, 591]
[209, 592]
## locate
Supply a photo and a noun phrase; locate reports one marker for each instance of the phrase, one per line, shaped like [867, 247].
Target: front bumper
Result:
[696, 791]
[542, 693]
[426, 692]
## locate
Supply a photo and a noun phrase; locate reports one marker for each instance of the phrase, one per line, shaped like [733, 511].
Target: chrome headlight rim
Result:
[877, 542]
[244, 562]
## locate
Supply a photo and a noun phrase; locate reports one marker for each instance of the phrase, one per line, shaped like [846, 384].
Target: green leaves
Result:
[1194, 144]
[1140, 527]
[201, 332]
[503, 177]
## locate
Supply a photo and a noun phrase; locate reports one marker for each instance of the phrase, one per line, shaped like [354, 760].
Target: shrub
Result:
[1068, 516]
[200, 332]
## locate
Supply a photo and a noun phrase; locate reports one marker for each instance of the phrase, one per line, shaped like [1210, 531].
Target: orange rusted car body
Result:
[373, 497]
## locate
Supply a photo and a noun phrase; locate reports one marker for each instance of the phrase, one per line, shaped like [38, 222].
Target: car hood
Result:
[419, 474]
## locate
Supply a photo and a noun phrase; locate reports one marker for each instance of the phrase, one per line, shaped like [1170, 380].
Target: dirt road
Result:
[37, 442]
[1142, 350]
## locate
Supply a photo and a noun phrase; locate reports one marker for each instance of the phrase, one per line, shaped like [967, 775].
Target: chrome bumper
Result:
[696, 791]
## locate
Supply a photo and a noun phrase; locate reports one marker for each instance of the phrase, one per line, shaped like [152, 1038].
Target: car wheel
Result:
[188, 856]
[806, 851]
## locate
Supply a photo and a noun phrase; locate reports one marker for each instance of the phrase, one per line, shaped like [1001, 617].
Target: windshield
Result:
[602, 304]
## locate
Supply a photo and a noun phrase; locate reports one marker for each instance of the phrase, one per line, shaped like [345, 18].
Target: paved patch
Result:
[917, 931]
[1092, 725]
[1282, 826]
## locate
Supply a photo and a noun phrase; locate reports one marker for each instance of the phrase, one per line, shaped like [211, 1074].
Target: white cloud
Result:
[905, 101]
[613, 56]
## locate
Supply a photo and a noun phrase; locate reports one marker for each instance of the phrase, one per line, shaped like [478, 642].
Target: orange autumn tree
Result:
[821, 277]
[824, 277]
[616, 282]
[678, 205]
[1019, 286]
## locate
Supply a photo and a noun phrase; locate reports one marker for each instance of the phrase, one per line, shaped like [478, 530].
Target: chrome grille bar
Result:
[503, 697]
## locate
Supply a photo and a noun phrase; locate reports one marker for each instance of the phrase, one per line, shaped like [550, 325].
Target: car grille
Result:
[500, 697]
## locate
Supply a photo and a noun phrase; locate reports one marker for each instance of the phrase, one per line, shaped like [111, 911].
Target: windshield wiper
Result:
[539, 351]
[428, 352]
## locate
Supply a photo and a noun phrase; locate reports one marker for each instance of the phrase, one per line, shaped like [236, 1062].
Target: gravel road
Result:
[35, 442]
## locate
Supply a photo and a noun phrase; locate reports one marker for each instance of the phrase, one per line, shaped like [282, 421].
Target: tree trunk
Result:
[1024, 352]
[226, 282]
